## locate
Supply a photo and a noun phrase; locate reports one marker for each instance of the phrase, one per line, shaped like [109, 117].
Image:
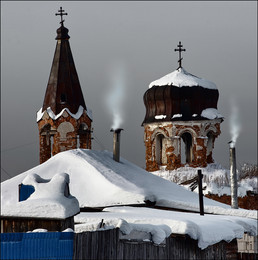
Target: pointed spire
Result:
[63, 89]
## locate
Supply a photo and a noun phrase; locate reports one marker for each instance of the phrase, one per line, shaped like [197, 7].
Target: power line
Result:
[6, 172]
[17, 147]
[98, 141]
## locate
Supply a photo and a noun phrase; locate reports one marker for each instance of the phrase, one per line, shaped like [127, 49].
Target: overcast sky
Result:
[221, 45]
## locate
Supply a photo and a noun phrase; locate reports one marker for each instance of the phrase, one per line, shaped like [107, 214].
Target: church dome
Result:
[180, 96]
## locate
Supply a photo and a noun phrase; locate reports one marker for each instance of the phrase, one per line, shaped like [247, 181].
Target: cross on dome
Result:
[179, 49]
[61, 13]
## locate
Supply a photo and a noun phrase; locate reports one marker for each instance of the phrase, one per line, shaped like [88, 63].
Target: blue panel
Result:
[49, 245]
[25, 191]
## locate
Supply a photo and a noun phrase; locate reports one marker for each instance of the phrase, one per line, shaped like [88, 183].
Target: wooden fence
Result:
[108, 245]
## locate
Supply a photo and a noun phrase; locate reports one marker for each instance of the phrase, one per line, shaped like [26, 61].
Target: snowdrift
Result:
[96, 180]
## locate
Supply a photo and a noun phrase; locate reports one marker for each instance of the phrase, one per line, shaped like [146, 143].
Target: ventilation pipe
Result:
[116, 143]
[233, 176]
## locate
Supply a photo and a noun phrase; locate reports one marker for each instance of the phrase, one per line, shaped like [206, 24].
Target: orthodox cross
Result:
[61, 13]
[180, 50]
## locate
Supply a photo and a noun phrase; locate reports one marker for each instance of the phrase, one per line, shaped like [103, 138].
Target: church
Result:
[180, 125]
[64, 122]
[146, 215]
[181, 121]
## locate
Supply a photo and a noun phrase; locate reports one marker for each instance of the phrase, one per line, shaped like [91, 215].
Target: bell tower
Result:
[181, 121]
[64, 122]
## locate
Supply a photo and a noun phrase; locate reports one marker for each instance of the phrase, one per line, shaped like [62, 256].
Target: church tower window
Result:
[186, 148]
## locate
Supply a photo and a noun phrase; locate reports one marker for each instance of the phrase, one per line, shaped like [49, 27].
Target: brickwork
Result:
[201, 137]
[62, 134]
[247, 202]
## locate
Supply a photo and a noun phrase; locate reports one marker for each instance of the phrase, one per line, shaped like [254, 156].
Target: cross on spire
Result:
[179, 49]
[61, 13]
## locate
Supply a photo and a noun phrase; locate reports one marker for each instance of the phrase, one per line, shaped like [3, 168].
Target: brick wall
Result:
[203, 135]
[62, 134]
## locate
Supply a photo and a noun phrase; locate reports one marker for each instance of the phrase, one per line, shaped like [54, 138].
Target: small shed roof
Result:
[48, 201]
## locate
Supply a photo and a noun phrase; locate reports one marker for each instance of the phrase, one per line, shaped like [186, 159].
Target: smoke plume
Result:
[116, 94]
[234, 123]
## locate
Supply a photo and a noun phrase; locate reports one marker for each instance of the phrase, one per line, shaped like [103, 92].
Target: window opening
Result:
[159, 149]
[210, 142]
[63, 98]
[186, 148]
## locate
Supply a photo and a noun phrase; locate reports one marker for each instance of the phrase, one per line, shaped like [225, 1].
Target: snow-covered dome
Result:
[181, 78]
[179, 96]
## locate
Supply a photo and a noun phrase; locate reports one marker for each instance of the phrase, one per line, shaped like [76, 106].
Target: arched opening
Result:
[159, 149]
[210, 143]
[46, 142]
[186, 148]
[83, 136]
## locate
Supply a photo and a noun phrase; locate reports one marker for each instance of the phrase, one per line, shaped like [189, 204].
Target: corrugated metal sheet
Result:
[49, 245]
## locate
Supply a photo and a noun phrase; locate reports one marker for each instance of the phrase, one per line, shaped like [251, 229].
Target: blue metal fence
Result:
[46, 245]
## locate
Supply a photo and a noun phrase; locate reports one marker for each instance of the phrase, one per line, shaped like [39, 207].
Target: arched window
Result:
[47, 134]
[159, 151]
[83, 136]
[210, 142]
[186, 148]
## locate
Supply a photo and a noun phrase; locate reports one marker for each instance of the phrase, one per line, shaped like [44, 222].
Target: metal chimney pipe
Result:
[116, 143]
[233, 178]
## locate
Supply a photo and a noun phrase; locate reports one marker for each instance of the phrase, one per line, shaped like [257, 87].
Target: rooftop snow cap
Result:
[179, 96]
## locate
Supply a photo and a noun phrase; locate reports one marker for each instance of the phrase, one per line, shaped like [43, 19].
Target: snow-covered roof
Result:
[211, 113]
[207, 229]
[96, 180]
[181, 78]
[47, 201]
[76, 116]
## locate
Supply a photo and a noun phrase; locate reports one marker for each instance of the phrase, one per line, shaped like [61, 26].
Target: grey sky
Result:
[221, 45]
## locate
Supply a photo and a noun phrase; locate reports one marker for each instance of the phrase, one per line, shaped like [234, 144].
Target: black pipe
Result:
[116, 143]
[200, 175]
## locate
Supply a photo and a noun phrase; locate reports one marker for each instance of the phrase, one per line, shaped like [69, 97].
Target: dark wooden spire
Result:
[63, 89]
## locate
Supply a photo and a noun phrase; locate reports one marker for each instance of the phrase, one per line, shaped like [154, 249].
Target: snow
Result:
[211, 113]
[48, 200]
[76, 116]
[96, 180]
[99, 181]
[160, 116]
[181, 78]
[207, 229]
[216, 179]
[38, 230]
[176, 115]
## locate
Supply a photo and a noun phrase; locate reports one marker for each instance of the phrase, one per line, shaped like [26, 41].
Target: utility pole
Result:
[200, 176]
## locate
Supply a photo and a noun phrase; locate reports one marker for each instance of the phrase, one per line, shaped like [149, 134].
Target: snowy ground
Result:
[216, 179]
